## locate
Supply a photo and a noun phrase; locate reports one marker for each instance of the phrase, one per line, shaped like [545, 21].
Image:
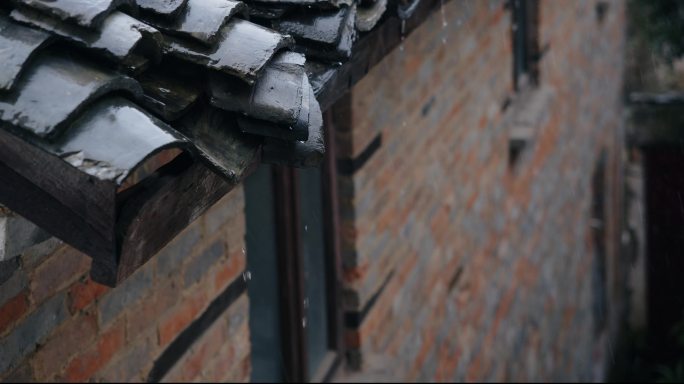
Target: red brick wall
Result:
[490, 269]
[56, 324]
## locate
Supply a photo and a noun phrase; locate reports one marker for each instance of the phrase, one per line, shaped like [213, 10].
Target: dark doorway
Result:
[665, 242]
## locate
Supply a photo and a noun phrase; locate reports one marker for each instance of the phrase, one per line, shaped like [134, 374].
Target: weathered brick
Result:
[7, 268]
[85, 365]
[146, 313]
[130, 367]
[180, 317]
[58, 271]
[82, 293]
[15, 284]
[35, 255]
[229, 270]
[22, 374]
[172, 256]
[199, 266]
[217, 215]
[76, 335]
[33, 330]
[13, 310]
[440, 193]
[129, 292]
[193, 363]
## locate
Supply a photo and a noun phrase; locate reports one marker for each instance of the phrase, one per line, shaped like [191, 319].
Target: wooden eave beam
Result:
[121, 232]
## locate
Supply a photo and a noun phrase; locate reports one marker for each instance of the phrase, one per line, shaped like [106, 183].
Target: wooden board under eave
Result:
[159, 209]
[67, 203]
[120, 233]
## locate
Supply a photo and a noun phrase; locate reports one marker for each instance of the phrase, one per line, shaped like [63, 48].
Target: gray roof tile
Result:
[54, 90]
[116, 39]
[225, 149]
[17, 46]
[297, 153]
[167, 8]
[276, 96]
[202, 20]
[243, 50]
[369, 13]
[86, 13]
[112, 137]
[94, 88]
[167, 95]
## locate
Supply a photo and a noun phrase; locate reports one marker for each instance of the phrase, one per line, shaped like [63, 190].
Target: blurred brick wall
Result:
[479, 272]
[488, 271]
[56, 324]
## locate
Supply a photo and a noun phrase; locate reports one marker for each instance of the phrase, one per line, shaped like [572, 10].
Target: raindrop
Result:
[403, 33]
[304, 322]
[306, 303]
[306, 228]
[247, 275]
[441, 9]
[243, 250]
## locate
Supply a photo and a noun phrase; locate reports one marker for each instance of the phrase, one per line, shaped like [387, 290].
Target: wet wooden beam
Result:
[120, 233]
[159, 208]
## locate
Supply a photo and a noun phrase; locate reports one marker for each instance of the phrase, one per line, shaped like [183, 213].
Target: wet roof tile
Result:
[202, 20]
[117, 38]
[297, 153]
[17, 44]
[167, 8]
[167, 95]
[267, 11]
[320, 27]
[369, 13]
[123, 80]
[112, 138]
[86, 13]
[298, 131]
[225, 150]
[276, 96]
[54, 90]
[323, 34]
[243, 50]
[325, 3]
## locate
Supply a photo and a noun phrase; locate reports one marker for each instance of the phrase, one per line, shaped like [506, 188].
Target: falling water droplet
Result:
[441, 9]
[304, 322]
[306, 228]
[403, 33]
[247, 276]
[243, 250]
